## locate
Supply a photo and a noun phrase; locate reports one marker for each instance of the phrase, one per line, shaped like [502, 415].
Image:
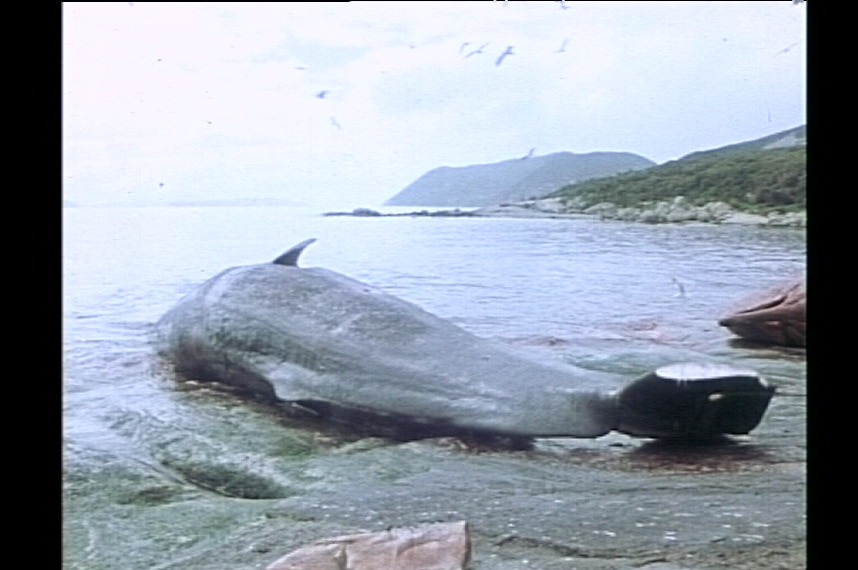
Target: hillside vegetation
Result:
[790, 137]
[750, 179]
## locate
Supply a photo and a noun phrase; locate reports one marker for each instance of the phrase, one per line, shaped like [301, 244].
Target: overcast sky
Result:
[346, 103]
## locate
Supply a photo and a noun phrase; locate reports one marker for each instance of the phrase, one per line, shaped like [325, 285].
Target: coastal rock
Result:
[741, 218]
[774, 316]
[604, 209]
[365, 212]
[652, 216]
[678, 210]
[549, 205]
[714, 212]
[575, 204]
[443, 546]
[792, 219]
[681, 211]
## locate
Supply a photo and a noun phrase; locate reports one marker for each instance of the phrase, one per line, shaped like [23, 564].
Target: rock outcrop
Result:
[677, 210]
[775, 316]
[443, 546]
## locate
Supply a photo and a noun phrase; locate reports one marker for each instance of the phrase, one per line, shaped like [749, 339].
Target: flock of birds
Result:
[480, 49]
[462, 50]
[323, 94]
[503, 55]
[467, 53]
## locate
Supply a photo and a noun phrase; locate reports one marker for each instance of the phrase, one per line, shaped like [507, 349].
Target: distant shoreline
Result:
[676, 212]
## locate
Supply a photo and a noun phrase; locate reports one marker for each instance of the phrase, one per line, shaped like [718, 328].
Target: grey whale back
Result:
[317, 337]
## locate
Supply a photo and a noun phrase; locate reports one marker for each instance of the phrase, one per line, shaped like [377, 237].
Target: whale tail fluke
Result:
[693, 401]
[291, 256]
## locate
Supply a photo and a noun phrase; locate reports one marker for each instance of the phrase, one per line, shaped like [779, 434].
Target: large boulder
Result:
[442, 546]
[774, 316]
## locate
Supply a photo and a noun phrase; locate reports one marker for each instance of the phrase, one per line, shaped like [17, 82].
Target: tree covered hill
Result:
[791, 137]
[762, 176]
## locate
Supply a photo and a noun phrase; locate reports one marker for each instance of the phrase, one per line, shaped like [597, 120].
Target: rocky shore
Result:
[678, 210]
[370, 213]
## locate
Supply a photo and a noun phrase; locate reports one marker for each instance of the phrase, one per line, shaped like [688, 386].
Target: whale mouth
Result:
[693, 401]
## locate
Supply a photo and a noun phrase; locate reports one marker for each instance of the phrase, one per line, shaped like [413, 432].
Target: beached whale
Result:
[345, 349]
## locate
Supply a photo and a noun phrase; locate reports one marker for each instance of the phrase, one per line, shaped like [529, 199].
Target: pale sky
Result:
[346, 103]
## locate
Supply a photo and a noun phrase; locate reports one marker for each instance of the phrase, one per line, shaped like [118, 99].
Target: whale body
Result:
[339, 346]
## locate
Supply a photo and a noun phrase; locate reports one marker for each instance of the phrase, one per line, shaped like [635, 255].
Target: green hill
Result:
[760, 177]
[791, 137]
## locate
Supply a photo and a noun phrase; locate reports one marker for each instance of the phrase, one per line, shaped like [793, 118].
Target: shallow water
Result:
[607, 295]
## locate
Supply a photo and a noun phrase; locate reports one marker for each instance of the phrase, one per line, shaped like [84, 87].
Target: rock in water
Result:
[777, 315]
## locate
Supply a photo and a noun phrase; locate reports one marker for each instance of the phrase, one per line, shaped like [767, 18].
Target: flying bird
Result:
[463, 46]
[563, 46]
[504, 54]
[529, 154]
[789, 47]
[476, 51]
[679, 286]
[321, 94]
[336, 124]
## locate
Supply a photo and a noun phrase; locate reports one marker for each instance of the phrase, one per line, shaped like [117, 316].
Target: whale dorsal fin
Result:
[292, 255]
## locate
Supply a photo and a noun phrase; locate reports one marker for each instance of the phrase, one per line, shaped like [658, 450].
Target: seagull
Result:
[463, 46]
[563, 46]
[321, 94]
[504, 54]
[476, 51]
[789, 47]
[679, 286]
[335, 123]
[529, 154]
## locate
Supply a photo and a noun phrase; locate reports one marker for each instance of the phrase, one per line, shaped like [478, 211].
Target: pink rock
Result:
[442, 546]
[775, 316]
